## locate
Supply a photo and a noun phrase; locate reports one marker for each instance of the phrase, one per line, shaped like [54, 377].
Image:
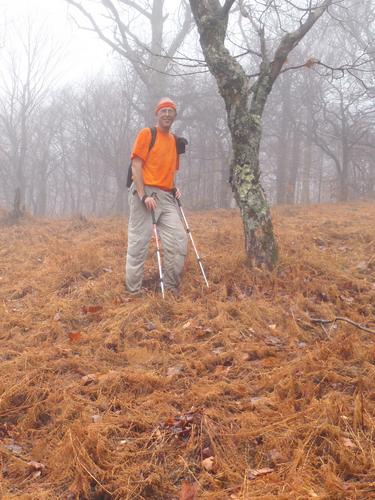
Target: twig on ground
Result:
[339, 318]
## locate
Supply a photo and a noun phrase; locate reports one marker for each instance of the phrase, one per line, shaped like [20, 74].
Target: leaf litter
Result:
[230, 392]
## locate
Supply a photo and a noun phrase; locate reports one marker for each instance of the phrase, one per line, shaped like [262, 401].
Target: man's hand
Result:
[177, 193]
[149, 202]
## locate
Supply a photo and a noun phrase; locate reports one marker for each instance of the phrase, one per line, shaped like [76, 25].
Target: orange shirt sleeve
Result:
[142, 144]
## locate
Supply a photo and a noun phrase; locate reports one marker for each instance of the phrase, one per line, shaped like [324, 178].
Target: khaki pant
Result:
[172, 233]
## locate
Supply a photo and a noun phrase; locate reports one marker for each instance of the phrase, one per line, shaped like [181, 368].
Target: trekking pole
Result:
[158, 252]
[192, 241]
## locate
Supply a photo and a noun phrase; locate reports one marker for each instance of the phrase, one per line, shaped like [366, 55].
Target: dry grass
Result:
[107, 397]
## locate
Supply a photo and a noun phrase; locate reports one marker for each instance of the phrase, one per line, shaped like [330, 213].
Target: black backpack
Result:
[181, 143]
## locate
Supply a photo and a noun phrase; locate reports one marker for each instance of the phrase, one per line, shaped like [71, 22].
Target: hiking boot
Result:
[134, 295]
[172, 292]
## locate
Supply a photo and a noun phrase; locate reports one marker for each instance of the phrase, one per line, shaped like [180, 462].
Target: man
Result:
[153, 189]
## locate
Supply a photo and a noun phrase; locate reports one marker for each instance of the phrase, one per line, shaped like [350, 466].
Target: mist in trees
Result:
[67, 148]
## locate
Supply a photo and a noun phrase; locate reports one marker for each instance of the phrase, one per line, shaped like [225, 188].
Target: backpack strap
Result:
[153, 131]
[153, 137]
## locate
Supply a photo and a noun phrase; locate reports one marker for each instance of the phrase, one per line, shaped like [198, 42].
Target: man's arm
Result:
[137, 166]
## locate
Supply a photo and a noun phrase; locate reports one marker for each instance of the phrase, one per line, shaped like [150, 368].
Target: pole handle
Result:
[174, 191]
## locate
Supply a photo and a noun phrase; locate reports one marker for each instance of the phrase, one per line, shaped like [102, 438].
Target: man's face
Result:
[165, 117]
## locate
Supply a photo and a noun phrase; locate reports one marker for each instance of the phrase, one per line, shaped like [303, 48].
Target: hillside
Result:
[227, 393]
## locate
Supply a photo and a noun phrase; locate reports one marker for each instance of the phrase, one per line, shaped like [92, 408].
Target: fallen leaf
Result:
[246, 356]
[257, 399]
[347, 299]
[186, 325]
[276, 457]
[348, 443]
[362, 266]
[272, 327]
[208, 463]
[189, 491]
[319, 242]
[14, 448]
[218, 350]
[312, 493]
[88, 275]
[220, 369]
[112, 346]
[4, 431]
[36, 465]
[91, 309]
[158, 434]
[200, 331]
[181, 425]
[207, 330]
[75, 336]
[253, 473]
[36, 474]
[89, 379]
[174, 370]
[273, 341]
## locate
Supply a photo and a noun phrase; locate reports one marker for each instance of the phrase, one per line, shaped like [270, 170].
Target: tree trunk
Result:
[260, 245]
[344, 174]
[307, 160]
[18, 209]
[283, 141]
[244, 121]
[291, 183]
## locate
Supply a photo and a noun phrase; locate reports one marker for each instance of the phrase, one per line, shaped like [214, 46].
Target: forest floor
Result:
[227, 393]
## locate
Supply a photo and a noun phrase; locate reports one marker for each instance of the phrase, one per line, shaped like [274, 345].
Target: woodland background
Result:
[67, 146]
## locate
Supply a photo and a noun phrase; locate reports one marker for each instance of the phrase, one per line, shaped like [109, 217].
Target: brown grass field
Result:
[227, 393]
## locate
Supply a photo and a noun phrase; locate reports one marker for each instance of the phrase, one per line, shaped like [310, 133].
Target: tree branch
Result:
[291, 40]
[226, 7]
[123, 29]
[135, 6]
[179, 38]
[127, 51]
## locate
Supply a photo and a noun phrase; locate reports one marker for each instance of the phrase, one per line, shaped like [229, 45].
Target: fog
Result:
[71, 103]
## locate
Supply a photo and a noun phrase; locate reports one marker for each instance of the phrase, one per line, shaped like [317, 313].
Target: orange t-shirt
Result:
[160, 164]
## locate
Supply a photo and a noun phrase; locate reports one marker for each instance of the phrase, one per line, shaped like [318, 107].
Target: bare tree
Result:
[24, 85]
[41, 159]
[151, 59]
[245, 102]
[341, 123]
